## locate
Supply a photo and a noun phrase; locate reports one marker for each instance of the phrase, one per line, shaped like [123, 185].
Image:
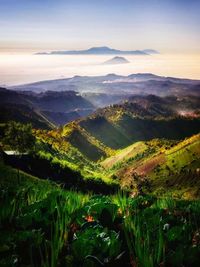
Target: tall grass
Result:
[66, 204]
[46, 213]
[30, 191]
[144, 234]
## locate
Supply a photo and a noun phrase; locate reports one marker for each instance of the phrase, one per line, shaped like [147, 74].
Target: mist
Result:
[26, 68]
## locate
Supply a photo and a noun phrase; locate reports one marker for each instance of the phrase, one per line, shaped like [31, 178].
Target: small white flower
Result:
[166, 227]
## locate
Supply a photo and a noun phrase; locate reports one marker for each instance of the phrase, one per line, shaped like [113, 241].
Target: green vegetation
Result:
[118, 188]
[43, 225]
[53, 158]
[19, 137]
[164, 164]
[136, 152]
[161, 163]
[109, 134]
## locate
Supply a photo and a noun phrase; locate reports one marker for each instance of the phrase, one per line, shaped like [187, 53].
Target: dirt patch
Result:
[150, 164]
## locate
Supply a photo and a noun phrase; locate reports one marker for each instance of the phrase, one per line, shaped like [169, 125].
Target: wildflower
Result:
[89, 218]
[14, 260]
[166, 227]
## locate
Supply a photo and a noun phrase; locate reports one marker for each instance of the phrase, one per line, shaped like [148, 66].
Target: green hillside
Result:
[167, 165]
[136, 152]
[141, 118]
[12, 178]
[112, 135]
[125, 154]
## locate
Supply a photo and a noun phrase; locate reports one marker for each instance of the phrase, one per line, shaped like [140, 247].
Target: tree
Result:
[19, 137]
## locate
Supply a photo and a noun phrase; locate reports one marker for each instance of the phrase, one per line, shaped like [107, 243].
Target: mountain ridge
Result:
[102, 50]
[138, 83]
[141, 118]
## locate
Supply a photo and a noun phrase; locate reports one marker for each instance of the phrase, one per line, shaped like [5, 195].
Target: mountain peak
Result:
[116, 60]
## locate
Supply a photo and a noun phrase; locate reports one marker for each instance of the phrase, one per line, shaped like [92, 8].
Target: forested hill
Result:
[140, 118]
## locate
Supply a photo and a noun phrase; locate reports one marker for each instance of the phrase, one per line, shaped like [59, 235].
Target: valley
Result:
[110, 136]
[99, 167]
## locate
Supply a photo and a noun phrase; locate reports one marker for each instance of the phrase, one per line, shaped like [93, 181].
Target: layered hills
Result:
[145, 140]
[111, 129]
[112, 84]
[141, 118]
[57, 102]
[43, 110]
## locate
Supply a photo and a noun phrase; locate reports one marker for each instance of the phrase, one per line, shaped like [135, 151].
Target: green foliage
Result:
[19, 137]
[96, 241]
[44, 225]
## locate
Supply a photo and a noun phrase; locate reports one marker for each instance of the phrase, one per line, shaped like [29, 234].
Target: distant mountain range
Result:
[150, 51]
[103, 50]
[116, 60]
[56, 102]
[112, 84]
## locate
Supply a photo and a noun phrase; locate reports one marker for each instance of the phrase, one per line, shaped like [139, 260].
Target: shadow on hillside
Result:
[70, 179]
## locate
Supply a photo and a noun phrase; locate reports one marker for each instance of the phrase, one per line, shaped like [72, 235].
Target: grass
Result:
[43, 225]
[31, 201]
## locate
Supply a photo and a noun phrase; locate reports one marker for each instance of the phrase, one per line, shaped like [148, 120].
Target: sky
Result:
[45, 25]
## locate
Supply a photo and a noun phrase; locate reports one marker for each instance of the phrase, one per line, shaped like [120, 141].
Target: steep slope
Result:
[52, 145]
[173, 166]
[124, 155]
[139, 119]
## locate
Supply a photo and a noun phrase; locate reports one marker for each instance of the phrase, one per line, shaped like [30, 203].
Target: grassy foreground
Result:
[43, 225]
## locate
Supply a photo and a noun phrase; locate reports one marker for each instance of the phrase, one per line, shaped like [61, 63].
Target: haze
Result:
[26, 27]
[19, 69]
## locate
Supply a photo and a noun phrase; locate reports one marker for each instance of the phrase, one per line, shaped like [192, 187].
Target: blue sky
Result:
[165, 25]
